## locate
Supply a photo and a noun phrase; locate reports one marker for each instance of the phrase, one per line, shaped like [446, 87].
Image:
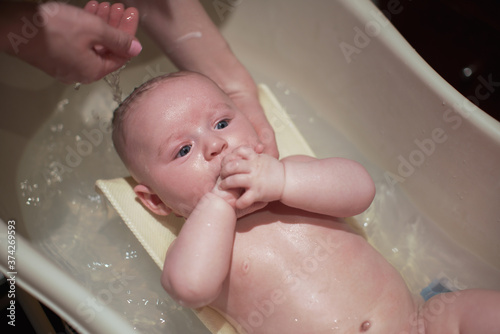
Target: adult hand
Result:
[184, 32]
[247, 101]
[73, 44]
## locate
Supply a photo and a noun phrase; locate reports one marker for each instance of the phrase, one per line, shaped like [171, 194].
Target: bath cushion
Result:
[156, 233]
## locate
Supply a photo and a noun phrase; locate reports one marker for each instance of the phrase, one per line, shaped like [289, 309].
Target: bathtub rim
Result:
[67, 296]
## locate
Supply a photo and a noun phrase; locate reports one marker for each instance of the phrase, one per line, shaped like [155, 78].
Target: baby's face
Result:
[179, 138]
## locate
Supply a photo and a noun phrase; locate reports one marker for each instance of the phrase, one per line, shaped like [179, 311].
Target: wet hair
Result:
[127, 106]
[121, 112]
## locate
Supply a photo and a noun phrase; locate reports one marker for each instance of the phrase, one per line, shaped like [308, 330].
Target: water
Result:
[69, 221]
[113, 80]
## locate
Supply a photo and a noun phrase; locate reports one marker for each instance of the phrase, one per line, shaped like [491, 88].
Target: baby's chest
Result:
[291, 266]
[282, 253]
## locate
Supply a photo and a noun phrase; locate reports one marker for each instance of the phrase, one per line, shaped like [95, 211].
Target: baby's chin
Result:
[252, 208]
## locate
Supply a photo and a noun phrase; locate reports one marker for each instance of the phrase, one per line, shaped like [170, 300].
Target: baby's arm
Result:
[333, 186]
[466, 312]
[198, 261]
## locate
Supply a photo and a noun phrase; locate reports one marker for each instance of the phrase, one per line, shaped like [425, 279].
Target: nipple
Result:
[365, 326]
[245, 267]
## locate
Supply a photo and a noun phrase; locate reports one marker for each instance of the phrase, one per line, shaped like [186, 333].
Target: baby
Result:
[263, 242]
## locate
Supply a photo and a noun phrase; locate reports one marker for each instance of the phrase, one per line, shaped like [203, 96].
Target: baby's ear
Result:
[151, 200]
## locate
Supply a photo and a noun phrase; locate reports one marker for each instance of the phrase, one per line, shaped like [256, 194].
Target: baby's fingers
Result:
[235, 181]
[237, 166]
[247, 199]
[241, 152]
[245, 152]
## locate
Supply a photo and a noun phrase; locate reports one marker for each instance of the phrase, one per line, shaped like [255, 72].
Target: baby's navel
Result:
[365, 326]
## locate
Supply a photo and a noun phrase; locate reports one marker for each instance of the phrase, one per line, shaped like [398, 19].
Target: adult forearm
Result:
[186, 34]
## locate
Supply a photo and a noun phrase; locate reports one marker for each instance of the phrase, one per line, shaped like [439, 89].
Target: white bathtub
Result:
[354, 88]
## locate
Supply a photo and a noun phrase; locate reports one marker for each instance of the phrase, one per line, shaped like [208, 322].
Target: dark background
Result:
[453, 36]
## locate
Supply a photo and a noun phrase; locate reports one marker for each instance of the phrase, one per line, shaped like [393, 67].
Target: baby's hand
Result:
[229, 195]
[261, 175]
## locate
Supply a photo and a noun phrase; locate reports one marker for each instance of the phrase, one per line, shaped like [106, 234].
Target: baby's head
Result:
[172, 133]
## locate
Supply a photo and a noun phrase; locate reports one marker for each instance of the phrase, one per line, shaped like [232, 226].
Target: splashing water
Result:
[113, 80]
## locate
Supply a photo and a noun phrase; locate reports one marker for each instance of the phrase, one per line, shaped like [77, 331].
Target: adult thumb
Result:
[120, 43]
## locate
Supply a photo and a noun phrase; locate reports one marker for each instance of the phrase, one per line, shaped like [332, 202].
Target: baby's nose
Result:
[215, 146]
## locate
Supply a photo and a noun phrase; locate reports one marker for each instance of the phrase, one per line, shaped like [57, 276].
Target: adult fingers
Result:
[118, 42]
[116, 14]
[129, 21]
[91, 7]
[103, 11]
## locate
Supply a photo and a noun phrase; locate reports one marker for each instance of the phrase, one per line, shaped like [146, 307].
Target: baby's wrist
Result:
[220, 205]
[218, 197]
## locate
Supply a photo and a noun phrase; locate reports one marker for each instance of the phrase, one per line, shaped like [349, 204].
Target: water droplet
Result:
[61, 105]
[467, 71]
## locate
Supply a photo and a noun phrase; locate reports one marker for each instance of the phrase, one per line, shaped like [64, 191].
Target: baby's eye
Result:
[222, 124]
[183, 151]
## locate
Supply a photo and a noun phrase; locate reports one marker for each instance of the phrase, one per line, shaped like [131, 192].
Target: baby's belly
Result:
[311, 275]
